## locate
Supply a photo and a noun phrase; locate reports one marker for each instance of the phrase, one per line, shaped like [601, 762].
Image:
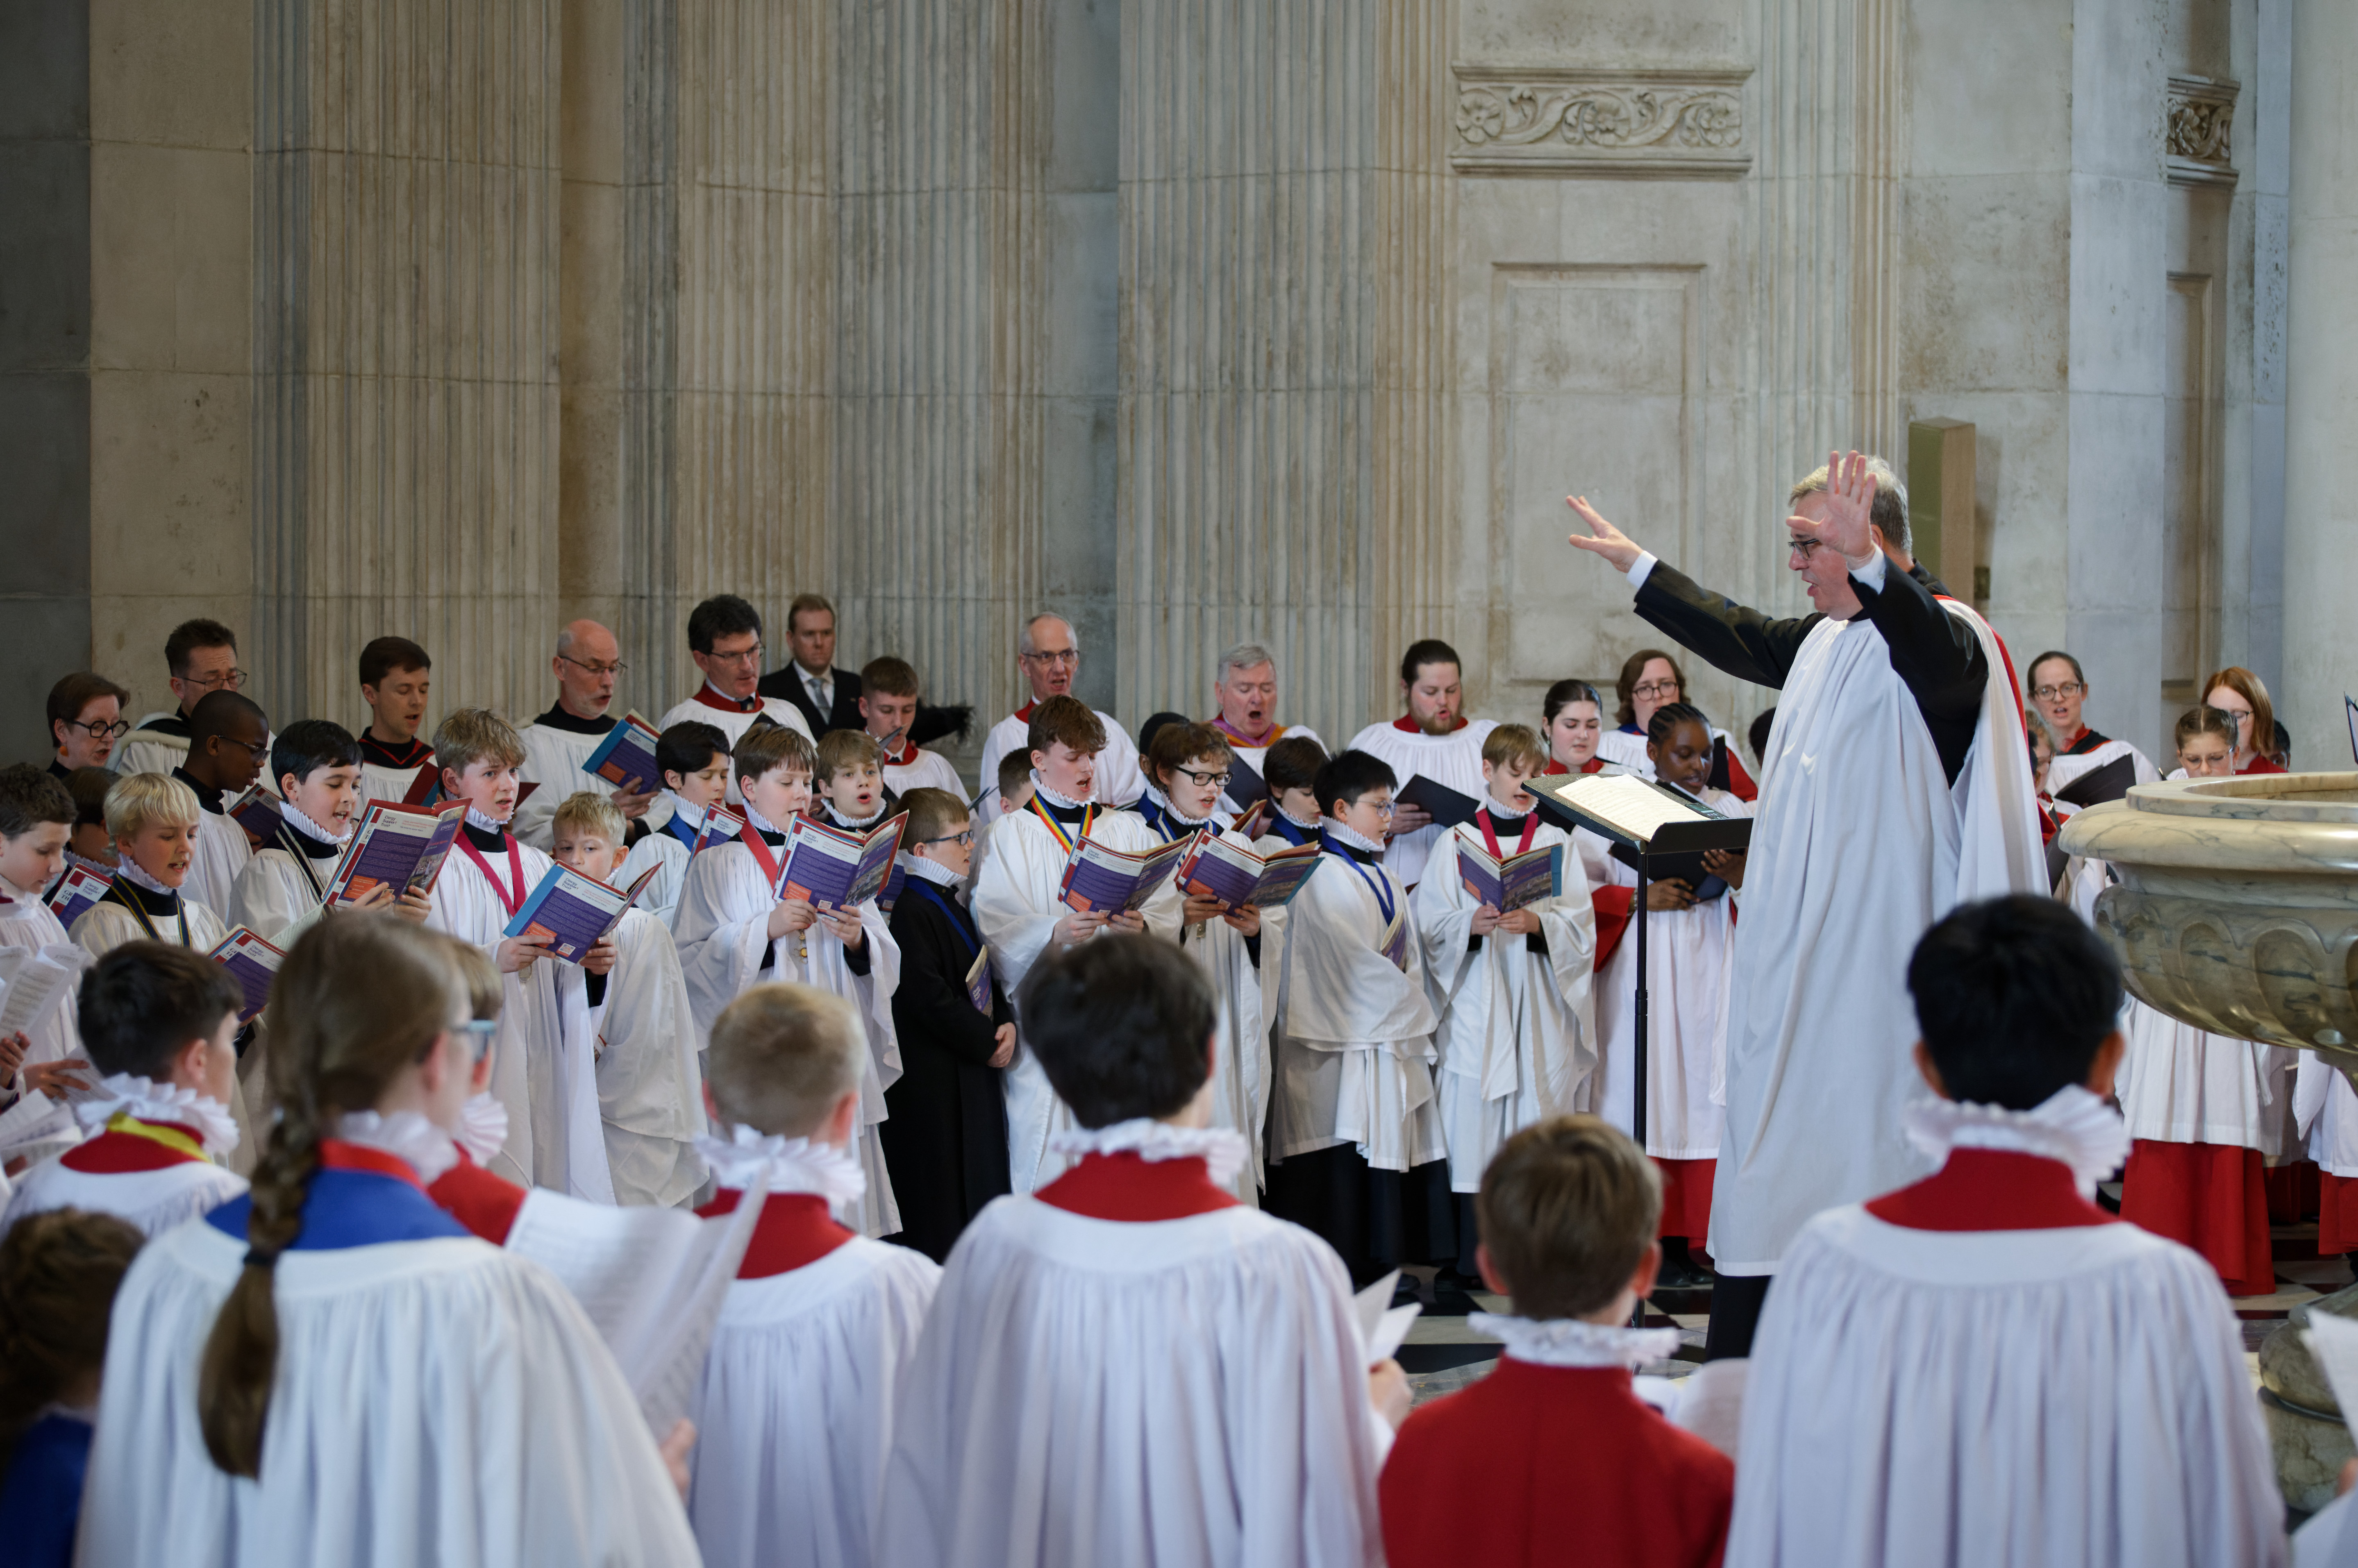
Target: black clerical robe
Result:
[946, 1140]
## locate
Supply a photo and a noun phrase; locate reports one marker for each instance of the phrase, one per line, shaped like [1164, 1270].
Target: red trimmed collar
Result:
[483, 1202]
[1127, 1187]
[1557, 770]
[335, 1155]
[2077, 736]
[1024, 714]
[2260, 764]
[1408, 726]
[120, 1153]
[711, 697]
[795, 1230]
[907, 755]
[1991, 1189]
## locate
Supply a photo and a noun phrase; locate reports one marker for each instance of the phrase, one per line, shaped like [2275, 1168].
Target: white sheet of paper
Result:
[1383, 1325]
[1711, 1403]
[2334, 1341]
[652, 1280]
[1629, 803]
[35, 1122]
[38, 985]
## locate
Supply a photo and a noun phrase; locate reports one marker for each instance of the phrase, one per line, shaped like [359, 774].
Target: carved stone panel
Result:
[2198, 124]
[1638, 124]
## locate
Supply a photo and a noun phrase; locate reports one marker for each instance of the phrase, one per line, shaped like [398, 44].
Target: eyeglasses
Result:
[480, 1033]
[617, 667]
[1802, 545]
[1381, 808]
[1058, 656]
[233, 681]
[1205, 781]
[98, 731]
[751, 655]
[2049, 693]
[1654, 691]
[965, 839]
[258, 749]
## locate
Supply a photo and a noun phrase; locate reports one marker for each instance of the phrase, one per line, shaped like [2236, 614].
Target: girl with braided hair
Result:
[330, 1370]
[1690, 938]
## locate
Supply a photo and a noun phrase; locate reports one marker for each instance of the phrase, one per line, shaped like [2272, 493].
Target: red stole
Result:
[511, 899]
[1127, 1187]
[1408, 726]
[795, 1229]
[763, 856]
[118, 1152]
[485, 1204]
[2260, 764]
[1490, 834]
[1276, 732]
[1991, 1189]
[1614, 906]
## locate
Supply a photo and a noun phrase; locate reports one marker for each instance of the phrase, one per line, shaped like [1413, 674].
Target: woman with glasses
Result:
[1650, 680]
[85, 721]
[2058, 689]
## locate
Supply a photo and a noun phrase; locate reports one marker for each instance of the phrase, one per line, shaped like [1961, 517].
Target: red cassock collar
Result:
[1408, 726]
[705, 694]
[1991, 1189]
[1126, 1187]
[795, 1230]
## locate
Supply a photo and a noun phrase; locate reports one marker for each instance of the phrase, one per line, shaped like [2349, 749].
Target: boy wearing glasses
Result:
[587, 663]
[395, 675]
[202, 656]
[85, 721]
[946, 1138]
[724, 638]
[2059, 689]
[1048, 656]
[229, 742]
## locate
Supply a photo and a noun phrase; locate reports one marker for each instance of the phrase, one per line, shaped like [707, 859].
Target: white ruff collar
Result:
[305, 825]
[1308, 825]
[483, 1129]
[929, 871]
[2073, 1126]
[1568, 1342]
[488, 824]
[406, 1136]
[1052, 797]
[1162, 802]
[1344, 834]
[143, 1099]
[1222, 1151]
[130, 868]
[792, 1165]
[857, 825]
[95, 868]
[761, 824]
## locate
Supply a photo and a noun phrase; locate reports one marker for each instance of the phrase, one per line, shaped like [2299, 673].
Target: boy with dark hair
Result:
[1354, 1139]
[316, 765]
[1129, 1366]
[85, 721]
[1019, 903]
[1985, 1366]
[724, 639]
[395, 675]
[1010, 789]
[1568, 1208]
[91, 847]
[1289, 769]
[201, 655]
[694, 757]
[159, 1023]
[890, 696]
[229, 741]
[36, 816]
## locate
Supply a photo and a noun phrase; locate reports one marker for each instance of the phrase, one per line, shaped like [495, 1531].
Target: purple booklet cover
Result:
[77, 891]
[257, 811]
[569, 913]
[1113, 881]
[1513, 883]
[831, 869]
[397, 844]
[254, 963]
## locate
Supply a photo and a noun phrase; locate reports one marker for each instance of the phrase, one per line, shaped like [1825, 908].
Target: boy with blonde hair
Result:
[153, 821]
[794, 1415]
[735, 932]
[647, 1041]
[544, 1062]
[1568, 1209]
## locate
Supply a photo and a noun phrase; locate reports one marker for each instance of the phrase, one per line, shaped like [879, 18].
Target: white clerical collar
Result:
[1064, 803]
[930, 870]
[138, 878]
[1222, 1151]
[1344, 834]
[2071, 1125]
[1569, 1342]
[483, 1131]
[759, 823]
[143, 1099]
[792, 1164]
[1163, 804]
[483, 824]
[305, 825]
[406, 1136]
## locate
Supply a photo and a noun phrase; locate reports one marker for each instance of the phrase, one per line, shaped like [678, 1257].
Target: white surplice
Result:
[26, 922]
[1859, 843]
[650, 1088]
[435, 1401]
[733, 723]
[553, 758]
[668, 858]
[1254, 757]
[1454, 760]
[1355, 1065]
[1016, 905]
[1118, 780]
[155, 1201]
[544, 1067]
[2183, 1084]
[380, 783]
[2075, 1395]
[794, 1418]
[1517, 1033]
[1687, 957]
[924, 770]
[722, 931]
[2326, 1111]
[146, 750]
[220, 853]
[1240, 1031]
[277, 890]
[2064, 768]
[1092, 1391]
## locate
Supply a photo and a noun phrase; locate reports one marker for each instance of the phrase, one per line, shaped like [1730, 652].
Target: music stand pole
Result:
[1637, 1035]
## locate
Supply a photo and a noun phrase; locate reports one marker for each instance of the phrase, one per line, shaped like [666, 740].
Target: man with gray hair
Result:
[1244, 684]
[1048, 656]
[587, 663]
[1896, 786]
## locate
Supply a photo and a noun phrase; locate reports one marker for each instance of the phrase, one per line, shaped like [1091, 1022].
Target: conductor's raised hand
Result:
[1602, 538]
[1850, 497]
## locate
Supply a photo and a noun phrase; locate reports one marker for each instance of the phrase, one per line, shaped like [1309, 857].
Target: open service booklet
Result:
[1112, 882]
[252, 964]
[652, 1281]
[398, 845]
[37, 982]
[1214, 868]
[828, 867]
[569, 913]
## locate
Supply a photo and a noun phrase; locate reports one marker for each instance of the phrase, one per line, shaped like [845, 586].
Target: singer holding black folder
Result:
[1895, 785]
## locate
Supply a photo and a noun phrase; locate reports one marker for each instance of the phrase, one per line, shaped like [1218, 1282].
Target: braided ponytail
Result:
[58, 1271]
[359, 999]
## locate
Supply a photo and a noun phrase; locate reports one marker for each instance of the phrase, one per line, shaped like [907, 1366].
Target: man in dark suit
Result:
[829, 698]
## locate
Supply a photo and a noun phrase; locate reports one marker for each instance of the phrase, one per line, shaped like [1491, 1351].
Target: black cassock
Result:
[946, 1138]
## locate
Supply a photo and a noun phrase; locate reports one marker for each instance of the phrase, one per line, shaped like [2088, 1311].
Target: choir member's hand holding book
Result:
[568, 914]
[1507, 883]
[252, 964]
[396, 846]
[1235, 876]
[626, 757]
[828, 867]
[1101, 880]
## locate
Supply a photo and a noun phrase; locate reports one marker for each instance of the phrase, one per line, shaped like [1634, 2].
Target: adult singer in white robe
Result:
[1984, 1367]
[229, 748]
[2058, 689]
[587, 663]
[724, 640]
[1245, 689]
[1048, 656]
[1433, 737]
[1019, 905]
[1897, 786]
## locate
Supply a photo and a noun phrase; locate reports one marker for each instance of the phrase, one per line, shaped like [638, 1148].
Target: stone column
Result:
[2321, 578]
[405, 187]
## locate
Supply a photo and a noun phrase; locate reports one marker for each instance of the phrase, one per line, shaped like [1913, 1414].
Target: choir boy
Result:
[1245, 689]
[945, 1138]
[587, 663]
[202, 657]
[1290, 768]
[59, 1275]
[848, 777]
[1129, 1366]
[889, 692]
[1048, 656]
[694, 757]
[1568, 1208]
[724, 639]
[1984, 1367]
[735, 931]
[85, 721]
[395, 675]
[159, 1023]
[1020, 907]
[1433, 737]
[36, 815]
[1187, 769]
[1010, 790]
[795, 1412]
[153, 821]
[317, 768]
[229, 742]
[91, 847]
[1518, 1030]
[543, 1067]
[1355, 1139]
[647, 1043]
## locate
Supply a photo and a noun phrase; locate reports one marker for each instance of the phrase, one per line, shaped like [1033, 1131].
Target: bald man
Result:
[587, 663]
[1048, 656]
